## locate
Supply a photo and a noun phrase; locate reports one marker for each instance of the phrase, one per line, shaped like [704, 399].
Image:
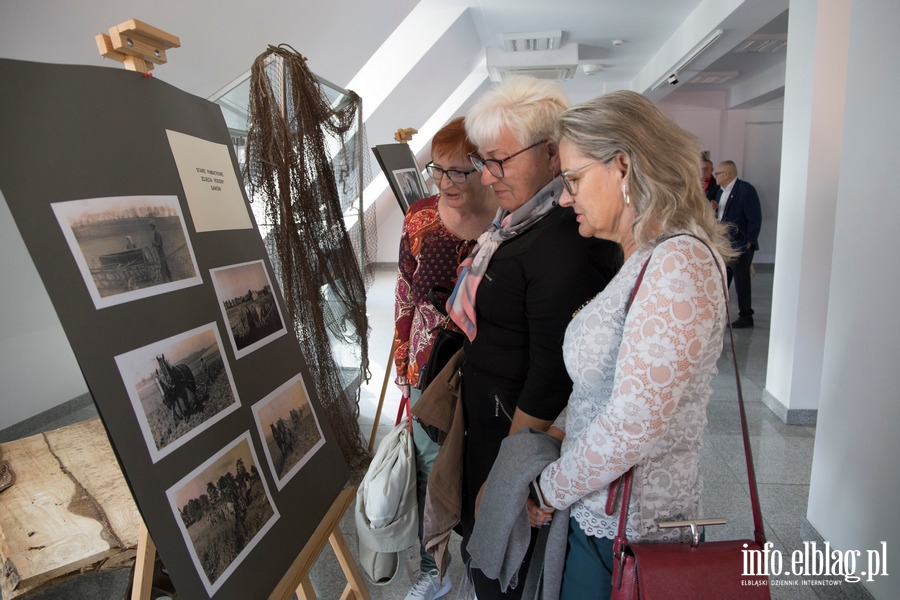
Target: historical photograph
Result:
[223, 509]
[409, 183]
[248, 306]
[128, 247]
[289, 429]
[179, 387]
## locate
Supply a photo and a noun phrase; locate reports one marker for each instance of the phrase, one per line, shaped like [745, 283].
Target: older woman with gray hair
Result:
[518, 288]
[641, 369]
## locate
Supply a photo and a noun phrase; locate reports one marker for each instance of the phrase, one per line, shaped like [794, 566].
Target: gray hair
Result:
[528, 107]
[662, 177]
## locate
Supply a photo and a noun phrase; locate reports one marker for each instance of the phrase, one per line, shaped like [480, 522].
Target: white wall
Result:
[855, 485]
[725, 134]
[762, 168]
[701, 113]
[813, 127]
[37, 368]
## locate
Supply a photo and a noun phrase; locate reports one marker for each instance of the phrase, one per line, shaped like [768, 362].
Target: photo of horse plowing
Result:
[178, 387]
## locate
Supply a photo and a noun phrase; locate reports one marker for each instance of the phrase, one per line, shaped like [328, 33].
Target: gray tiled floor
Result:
[782, 454]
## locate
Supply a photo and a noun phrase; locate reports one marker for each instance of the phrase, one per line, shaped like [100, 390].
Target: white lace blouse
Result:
[641, 385]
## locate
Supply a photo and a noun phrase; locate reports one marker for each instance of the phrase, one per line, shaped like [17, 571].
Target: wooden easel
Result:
[384, 385]
[296, 580]
[141, 46]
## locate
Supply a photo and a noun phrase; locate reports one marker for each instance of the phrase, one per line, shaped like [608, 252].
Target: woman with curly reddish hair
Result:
[438, 233]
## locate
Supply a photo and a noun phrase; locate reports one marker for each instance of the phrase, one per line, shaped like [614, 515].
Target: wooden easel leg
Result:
[356, 586]
[305, 590]
[384, 384]
[296, 580]
[144, 560]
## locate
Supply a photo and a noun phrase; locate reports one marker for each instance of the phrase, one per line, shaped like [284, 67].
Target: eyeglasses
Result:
[572, 184]
[453, 175]
[495, 165]
[717, 173]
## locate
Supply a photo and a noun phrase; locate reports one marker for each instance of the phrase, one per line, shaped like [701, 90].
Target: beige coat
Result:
[441, 407]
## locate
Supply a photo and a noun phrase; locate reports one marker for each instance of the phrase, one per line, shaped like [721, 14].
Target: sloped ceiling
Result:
[221, 39]
[435, 66]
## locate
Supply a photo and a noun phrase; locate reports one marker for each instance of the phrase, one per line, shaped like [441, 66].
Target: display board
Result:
[398, 163]
[128, 196]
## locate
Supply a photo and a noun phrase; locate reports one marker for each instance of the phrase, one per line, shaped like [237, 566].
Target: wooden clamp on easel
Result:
[138, 45]
[405, 135]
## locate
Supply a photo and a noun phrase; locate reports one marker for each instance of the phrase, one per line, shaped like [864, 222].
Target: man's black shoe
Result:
[743, 322]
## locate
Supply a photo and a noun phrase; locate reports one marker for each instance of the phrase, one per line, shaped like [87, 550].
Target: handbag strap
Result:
[432, 297]
[759, 533]
[614, 486]
[404, 404]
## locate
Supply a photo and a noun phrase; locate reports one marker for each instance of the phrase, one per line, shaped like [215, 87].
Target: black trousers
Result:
[739, 270]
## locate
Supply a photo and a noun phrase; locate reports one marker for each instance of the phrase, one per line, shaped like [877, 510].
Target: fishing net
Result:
[298, 140]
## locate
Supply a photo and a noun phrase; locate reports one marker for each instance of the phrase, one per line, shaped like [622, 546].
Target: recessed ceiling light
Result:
[618, 42]
[713, 77]
[763, 43]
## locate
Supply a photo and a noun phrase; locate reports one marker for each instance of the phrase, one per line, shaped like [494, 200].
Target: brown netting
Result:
[289, 169]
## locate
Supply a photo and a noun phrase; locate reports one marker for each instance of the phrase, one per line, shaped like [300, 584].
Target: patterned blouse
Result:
[641, 385]
[429, 255]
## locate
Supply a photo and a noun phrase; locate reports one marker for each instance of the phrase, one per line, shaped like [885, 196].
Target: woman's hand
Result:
[536, 516]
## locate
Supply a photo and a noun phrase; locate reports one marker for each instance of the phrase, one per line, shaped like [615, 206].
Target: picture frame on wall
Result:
[399, 165]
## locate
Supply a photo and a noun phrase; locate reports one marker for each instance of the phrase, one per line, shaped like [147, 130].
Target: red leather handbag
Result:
[691, 570]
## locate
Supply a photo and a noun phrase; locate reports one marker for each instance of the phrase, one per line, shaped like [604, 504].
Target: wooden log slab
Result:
[69, 511]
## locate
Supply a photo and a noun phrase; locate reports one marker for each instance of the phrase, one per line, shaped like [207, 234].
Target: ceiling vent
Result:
[713, 77]
[762, 43]
[541, 64]
[532, 42]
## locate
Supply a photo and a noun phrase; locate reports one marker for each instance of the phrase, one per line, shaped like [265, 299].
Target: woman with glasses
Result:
[641, 367]
[527, 274]
[438, 233]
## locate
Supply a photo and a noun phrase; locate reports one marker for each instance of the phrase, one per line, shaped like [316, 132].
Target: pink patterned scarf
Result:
[506, 225]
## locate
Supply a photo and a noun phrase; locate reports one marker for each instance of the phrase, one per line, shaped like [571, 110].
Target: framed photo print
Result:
[128, 247]
[178, 387]
[248, 305]
[223, 509]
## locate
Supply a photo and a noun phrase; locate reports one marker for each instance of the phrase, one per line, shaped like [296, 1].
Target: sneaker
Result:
[428, 586]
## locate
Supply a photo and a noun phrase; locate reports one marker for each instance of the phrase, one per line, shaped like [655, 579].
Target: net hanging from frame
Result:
[292, 127]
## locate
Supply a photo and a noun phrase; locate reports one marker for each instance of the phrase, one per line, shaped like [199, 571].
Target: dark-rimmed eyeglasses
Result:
[495, 165]
[453, 175]
[572, 184]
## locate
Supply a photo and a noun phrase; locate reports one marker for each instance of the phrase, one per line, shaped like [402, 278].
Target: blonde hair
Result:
[528, 107]
[662, 180]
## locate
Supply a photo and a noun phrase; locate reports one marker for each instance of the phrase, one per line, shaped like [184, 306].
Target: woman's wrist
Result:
[534, 491]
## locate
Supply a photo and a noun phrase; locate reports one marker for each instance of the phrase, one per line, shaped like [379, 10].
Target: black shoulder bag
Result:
[446, 344]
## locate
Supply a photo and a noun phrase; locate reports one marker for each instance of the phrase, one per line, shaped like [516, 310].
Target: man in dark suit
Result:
[738, 205]
[708, 182]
